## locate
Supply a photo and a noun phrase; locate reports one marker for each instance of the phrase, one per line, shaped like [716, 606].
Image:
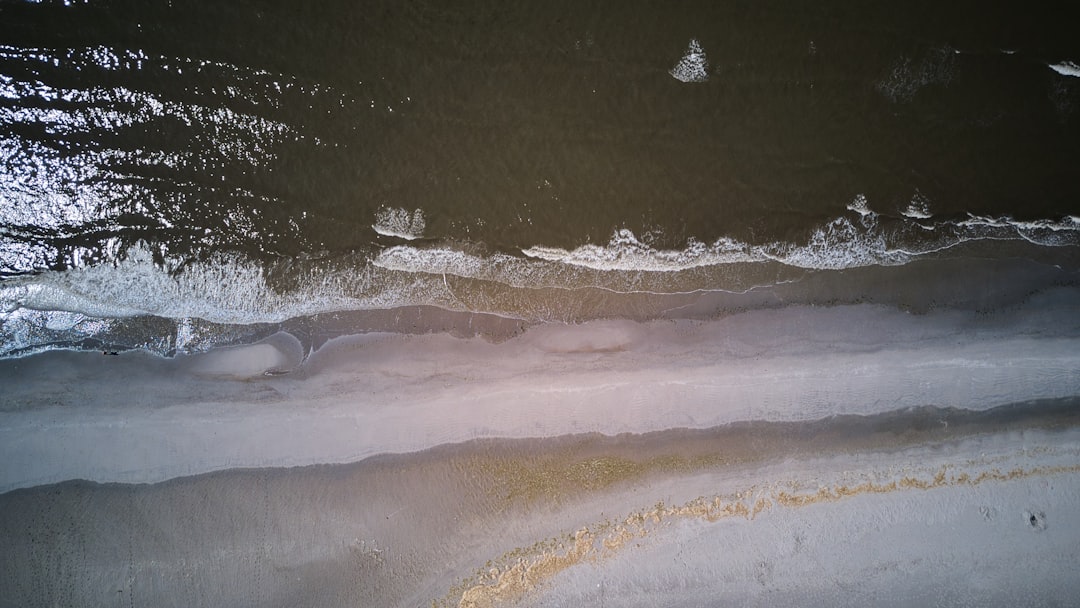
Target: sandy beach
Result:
[138, 419]
[551, 467]
[844, 513]
[545, 304]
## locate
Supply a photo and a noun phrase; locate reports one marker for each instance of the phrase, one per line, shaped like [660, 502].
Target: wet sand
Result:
[541, 467]
[139, 418]
[530, 520]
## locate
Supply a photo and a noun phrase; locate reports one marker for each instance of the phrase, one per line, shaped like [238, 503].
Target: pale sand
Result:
[555, 517]
[136, 418]
[749, 515]
[963, 534]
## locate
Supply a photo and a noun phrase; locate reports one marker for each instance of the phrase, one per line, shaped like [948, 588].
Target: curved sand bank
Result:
[965, 529]
[136, 418]
[892, 508]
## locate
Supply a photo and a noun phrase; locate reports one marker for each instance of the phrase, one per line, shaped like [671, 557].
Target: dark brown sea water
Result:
[177, 175]
[174, 165]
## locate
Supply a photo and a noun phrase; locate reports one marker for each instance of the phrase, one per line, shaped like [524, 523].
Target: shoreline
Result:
[959, 281]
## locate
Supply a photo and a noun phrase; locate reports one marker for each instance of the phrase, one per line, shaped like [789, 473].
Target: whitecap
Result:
[401, 223]
[860, 205]
[1050, 233]
[1066, 68]
[839, 244]
[230, 289]
[693, 67]
[625, 252]
[442, 261]
[918, 208]
[224, 289]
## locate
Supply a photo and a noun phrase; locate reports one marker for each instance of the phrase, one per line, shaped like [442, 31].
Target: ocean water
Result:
[176, 175]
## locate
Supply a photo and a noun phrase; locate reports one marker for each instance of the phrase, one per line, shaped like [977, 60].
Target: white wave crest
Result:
[693, 67]
[1066, 68]
[918, 208]
[92, 303]
[53, 307]
[860, 206]
[840, 244]
[626, 252]
[401, 223]
[1051, 233]
[443, 261]
[225, 289]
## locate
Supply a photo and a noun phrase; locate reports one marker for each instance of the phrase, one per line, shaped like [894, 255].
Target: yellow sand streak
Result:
[514, 582]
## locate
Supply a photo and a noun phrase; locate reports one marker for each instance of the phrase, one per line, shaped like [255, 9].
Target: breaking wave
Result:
[163, 301]
[1066, 68]
[693, 67]
[400, 223]
[842, 243]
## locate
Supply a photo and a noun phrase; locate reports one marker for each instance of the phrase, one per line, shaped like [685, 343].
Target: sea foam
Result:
[1066, 68]
[693, 67]
[918, 208]
[225, 289]
[842, 243]
[401, 223]
[92, 302]
[230, 288]
[626, 252]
